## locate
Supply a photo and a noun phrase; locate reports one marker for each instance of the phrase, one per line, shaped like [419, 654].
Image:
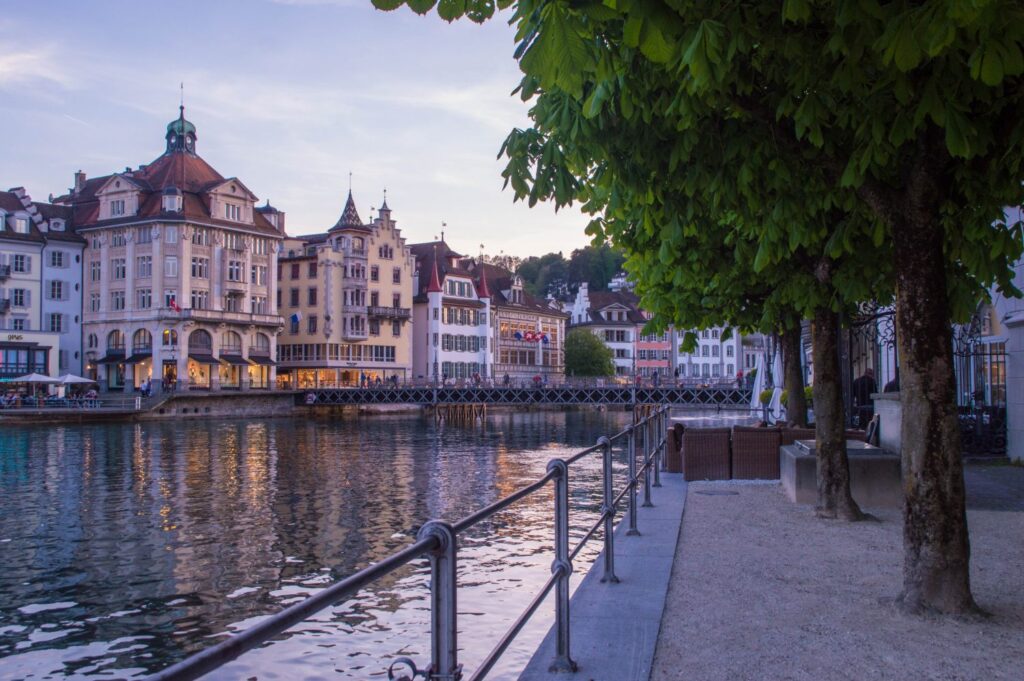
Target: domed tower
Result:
[181, 134]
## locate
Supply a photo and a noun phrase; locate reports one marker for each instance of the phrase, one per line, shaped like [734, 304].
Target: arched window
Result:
[93, 341]
[142, 340]
[115, 340]
[231, 343]
[200, 340]
[261, 343]
[170, 338]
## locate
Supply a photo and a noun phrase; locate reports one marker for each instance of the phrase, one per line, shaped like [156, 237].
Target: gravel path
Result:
[762, 590]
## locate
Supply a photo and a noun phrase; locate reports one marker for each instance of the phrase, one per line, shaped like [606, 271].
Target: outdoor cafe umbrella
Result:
[71, 379]
[34, 378]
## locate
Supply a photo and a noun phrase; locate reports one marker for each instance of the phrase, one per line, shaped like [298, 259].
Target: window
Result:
[56, 290]
[728, 369]
[171, 266]
[714, 351]
[93, 341]
[200, 299]
[716, 370]
[311, 296]
[232, 212]
[374, 273]
[94, 302]
[374, 327]
[435, 312]
[115, 340]
[279, 298]
[18, 325]
[21, 225]
[143, 298]
[295, 270]
[118, 239]
[232, 303]
[235, 268]
[714, 333]
[294, 325]
[117, 207]
[95, 270]
[234, 241]
[142, 340]
[396, 300]
[170, 296]
[200, 237]
[143, 235]
[259, 305]
[117, 300]
[120, 270]
[260, 246]
[171, 235]
[201, 268]
[21, 263]
[386, 252]
[311, 323]
[144, 266]
[57, 259]
[56, 323]
[294, 300]
[170, 338]
[259, 275]
[396, 328]
[311, 270]
[396, 275]
[729, 350]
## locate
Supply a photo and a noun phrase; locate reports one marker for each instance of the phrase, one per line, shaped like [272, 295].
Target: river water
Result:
[124, 548]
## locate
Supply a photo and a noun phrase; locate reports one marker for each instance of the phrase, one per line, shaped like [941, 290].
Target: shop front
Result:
[259, 371]
[231, 370]
[26, 352]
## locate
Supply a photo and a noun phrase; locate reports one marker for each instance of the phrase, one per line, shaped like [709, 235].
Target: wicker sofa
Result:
[705, 453]
[755, 453]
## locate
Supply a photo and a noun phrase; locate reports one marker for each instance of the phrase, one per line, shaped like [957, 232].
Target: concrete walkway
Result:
[615, 627]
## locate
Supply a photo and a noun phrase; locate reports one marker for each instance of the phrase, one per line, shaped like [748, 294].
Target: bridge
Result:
[709, 397]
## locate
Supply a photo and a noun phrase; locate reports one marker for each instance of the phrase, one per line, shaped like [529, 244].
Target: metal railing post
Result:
[656, 445]
[632, 531]
[561, 566]
[608, 510]
[664, 434]
[444, 650]
[647, 463]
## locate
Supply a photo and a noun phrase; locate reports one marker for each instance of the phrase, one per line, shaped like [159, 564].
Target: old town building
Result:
[40, 288]
[528, 333]
[614, 317]
[179, 273]
[346, 296]
[451, 318]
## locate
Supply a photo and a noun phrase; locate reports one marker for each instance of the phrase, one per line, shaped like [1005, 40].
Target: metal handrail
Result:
[438, 540]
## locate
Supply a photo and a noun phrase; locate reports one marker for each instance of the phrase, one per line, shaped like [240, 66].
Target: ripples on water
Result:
[125, 548]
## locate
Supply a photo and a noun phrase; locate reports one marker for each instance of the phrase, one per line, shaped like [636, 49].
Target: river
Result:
[126, 547]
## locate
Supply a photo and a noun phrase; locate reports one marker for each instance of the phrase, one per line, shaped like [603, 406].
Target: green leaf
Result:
[421, 6]
[762, 257]
[450, 10]
[796, 10]
[388, 5]
[654, 46]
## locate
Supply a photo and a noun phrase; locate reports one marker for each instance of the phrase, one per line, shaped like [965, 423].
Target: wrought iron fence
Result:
[438, 540]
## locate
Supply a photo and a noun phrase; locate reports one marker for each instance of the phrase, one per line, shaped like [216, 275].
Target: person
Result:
[863, 387]
[892, 386]
[506, 380]
[655, 378]
[536, 381]
[739, 380]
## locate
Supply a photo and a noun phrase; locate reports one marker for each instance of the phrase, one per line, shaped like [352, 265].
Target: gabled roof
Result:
[602, 302]
[11, 203]
[498, 280]
[435, 255]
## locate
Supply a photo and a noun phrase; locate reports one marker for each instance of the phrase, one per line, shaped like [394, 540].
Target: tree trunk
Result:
[796, 402]
[936, 549]
[834, 498]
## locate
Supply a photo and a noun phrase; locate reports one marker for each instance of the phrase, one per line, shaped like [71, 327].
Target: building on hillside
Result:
[346, 296]
[451, 318]
[613, 316]
[179, 273]
[527, 333]
[40, 288]
[716, 359]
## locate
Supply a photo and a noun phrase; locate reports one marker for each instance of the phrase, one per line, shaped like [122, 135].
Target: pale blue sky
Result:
[287, 95]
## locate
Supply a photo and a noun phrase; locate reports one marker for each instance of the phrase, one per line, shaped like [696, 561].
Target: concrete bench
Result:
[874, 474]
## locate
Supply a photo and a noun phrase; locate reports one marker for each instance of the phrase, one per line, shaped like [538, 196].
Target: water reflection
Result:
[126, 547]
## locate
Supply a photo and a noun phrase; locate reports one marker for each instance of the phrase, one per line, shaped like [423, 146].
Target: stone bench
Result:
[874, 474]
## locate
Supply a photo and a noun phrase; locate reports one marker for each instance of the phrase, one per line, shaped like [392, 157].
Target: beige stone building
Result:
[346, 297]
[179, 272]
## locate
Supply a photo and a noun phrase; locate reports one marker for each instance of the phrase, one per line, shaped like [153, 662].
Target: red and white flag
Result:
[174, 305]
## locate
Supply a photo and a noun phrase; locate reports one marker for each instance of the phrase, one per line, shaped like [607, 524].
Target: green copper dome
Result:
[181, 134]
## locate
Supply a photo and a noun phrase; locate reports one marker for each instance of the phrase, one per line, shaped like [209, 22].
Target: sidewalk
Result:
[760, 589]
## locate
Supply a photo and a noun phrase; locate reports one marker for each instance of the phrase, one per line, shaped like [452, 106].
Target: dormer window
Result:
[56, 225]
[116, 207]
[233, 212]
[21, 225]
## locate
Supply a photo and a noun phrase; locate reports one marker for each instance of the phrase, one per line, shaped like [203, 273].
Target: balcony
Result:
[355, 334]
[234, 286]
[389, 312]
[354, 309]
[5, 305]
[5, 271]
[218, 316]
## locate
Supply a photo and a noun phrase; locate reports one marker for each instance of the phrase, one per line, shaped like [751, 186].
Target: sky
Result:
[290, 96]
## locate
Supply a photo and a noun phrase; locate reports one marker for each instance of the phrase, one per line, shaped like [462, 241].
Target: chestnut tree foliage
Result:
[881, 140]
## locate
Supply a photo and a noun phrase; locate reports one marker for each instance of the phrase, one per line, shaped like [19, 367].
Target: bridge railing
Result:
[438, 540]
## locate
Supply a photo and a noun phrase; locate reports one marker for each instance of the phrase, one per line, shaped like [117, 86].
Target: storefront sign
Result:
[14, 337]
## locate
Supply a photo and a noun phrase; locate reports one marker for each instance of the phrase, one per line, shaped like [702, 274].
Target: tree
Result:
[903, 117]
[586, 355]
[596, 265]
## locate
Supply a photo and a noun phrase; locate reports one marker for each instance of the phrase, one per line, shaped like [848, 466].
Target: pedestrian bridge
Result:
[710, 397]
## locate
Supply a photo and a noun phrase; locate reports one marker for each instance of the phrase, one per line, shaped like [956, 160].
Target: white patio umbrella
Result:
[71, 379]
[35, 378]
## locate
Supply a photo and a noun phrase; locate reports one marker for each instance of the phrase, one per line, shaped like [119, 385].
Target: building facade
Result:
[40, 288]
[346, 296]
[179, 274]
[716, 359]
[655, 354]
[451, 318]
[614, 317]
[527, 333]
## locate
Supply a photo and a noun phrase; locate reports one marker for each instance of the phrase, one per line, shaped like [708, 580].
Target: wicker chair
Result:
[755, 453]
[791, 435]
[705, 453]
[673, 444]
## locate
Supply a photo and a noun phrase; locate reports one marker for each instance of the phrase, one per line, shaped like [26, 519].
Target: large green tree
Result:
[586, 355]
[903, 116]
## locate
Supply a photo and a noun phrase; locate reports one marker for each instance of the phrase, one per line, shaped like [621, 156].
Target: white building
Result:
[716, 359]
[40, 287]
[451, 317]
[613, 316]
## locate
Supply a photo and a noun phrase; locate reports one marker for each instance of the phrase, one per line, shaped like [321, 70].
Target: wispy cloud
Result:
[20, 67]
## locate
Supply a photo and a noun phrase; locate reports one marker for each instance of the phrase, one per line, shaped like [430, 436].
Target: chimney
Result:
[79, 181]
[280, 222]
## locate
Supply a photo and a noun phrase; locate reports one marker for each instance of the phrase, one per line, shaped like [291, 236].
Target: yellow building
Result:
[346, 297]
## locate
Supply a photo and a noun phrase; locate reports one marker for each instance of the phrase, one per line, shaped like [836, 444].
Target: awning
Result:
[262, 360]
[202, 359]
[112, 358]
[138, 357]
[235, 359]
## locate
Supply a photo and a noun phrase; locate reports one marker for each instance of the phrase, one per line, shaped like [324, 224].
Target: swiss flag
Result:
[174, 305]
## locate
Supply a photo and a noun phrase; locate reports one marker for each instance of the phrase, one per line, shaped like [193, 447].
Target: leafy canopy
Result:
[586, 355]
